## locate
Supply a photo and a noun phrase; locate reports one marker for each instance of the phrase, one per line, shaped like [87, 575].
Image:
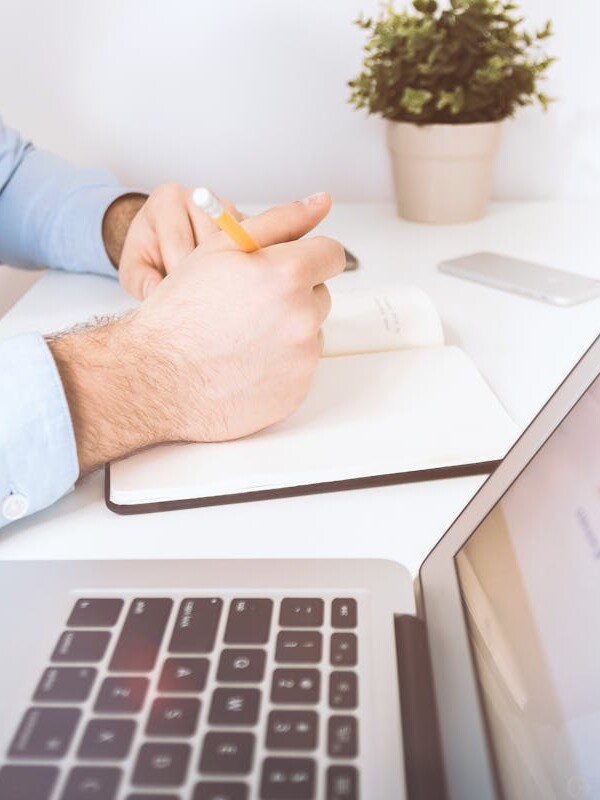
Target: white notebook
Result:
[389, 403]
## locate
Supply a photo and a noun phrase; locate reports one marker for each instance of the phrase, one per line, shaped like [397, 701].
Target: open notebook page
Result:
[366, 415]
[386, 318]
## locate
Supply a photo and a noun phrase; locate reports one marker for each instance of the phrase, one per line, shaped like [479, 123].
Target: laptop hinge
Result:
[423, 759]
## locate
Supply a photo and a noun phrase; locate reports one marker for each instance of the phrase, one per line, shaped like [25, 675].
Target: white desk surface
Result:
[523, 348]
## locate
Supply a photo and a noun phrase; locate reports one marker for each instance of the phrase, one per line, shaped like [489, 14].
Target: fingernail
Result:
[315, 199]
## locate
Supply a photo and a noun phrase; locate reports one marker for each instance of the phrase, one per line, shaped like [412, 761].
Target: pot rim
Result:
[445, 125]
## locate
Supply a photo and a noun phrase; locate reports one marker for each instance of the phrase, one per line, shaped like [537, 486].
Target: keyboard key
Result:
[121, 695]
[296, 686]
[161, 765]
[249, 621]
[234, 707]
[342, 737]
[298, 647]
[301, 612]
[107, 738]
[152, 797]
[288, 779]
[141, 635]
[220, 791]
[242, 666]
[227, 753]
[343, 690]
[292, 730]
[45, 732]
[82, 646]
[27, 781]
[99, 783]
[196, 625]
[100, 612]
[344, 650]
[342, 783]
[173, 716]
[343, 613]
[183, 675]
[65, 684]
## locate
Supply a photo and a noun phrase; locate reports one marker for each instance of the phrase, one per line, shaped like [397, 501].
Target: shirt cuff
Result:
[38, 452]
[80, 247]
[51, 214]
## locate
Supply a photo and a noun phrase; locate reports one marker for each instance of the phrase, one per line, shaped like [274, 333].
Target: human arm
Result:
[54, 214]
[51, 212]
[225, 346]
[38, 452]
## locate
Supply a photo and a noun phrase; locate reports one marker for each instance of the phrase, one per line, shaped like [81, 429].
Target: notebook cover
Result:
[367, 482]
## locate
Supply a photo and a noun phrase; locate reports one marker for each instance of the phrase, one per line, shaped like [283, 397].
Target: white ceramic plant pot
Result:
[443, 173]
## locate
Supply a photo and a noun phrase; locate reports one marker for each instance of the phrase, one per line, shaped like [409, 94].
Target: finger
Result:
[139, 279]
[323, 302]
[310, 261]
[174, 231]
[203, 226]
[281, 224]
[151, 281]
[235, 213]
[239, 215]
[321, 339]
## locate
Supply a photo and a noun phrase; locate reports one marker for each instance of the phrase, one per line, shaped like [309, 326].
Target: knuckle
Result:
[303, 329]
[181, 235]
[310, 361]
[340, 255]
[295, 273]
[166, 192]
[320, 342]
[334, 250]
[326, 300]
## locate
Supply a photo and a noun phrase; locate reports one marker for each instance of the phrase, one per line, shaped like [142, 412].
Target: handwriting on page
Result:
[388, 312]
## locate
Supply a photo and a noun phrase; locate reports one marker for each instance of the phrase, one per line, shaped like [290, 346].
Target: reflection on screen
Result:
[530, 584]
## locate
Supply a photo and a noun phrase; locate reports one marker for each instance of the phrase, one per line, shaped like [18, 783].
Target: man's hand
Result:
[147, 238]
[226, 344]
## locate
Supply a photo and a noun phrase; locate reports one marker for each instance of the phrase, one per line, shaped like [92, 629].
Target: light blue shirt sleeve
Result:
[38, 455]
[50, 215]
[50, 211]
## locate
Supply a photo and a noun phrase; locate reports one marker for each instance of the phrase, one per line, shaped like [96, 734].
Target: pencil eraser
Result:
[206, 200]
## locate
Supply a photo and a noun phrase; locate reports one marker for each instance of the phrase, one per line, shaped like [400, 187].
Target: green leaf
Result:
[454, 100]
[425, 6]
[414, 100]
[465, 61]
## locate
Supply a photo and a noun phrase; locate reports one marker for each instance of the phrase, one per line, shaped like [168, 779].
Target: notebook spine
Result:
[424, 765]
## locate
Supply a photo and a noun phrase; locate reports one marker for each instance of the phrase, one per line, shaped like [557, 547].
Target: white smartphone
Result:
[524, 277]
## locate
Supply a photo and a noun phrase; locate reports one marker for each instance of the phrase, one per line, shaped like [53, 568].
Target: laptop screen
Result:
[529, 578]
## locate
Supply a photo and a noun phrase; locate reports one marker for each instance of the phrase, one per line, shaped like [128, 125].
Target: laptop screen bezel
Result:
[467, 752]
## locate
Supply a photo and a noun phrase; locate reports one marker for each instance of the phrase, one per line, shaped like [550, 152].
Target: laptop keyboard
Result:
[202, 698]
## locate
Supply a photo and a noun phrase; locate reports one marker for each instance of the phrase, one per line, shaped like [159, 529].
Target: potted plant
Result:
[445, 79]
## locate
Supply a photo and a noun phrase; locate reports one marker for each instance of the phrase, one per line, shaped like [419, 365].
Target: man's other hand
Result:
[147, 238]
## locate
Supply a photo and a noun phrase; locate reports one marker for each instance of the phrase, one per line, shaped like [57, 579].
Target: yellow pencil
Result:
[210, 204]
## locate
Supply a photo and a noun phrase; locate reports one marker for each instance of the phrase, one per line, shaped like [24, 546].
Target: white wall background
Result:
[249, 96]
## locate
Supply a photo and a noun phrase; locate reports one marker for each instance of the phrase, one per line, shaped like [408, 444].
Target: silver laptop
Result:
[295, 680]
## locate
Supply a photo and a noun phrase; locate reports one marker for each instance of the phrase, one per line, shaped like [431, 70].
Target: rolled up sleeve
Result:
[38, 453]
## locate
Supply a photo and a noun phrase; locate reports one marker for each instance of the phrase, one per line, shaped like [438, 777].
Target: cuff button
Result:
[15, 506]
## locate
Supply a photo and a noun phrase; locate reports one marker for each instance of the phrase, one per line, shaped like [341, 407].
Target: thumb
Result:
[139, 279]
[278, 225]
[150, 281]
